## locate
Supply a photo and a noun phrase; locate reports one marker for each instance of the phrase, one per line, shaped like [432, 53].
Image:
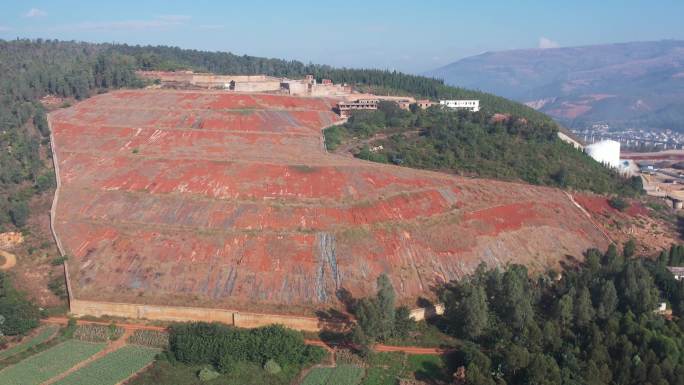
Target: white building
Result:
[606, 152]
[472, 105]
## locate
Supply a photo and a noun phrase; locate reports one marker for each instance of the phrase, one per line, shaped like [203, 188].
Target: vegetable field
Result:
[340, 375]
[150, 338]
[38, 339]
[112, 368]
[47, 364]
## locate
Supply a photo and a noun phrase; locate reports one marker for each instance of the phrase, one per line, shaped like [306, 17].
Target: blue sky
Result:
[411, 36]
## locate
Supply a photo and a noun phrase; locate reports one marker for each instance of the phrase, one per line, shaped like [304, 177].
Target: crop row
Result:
[98, 333]
[49, 363]
[151, 338]
[112, 368]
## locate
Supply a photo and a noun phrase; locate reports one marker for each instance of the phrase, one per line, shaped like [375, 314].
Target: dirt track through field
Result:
[112, 346]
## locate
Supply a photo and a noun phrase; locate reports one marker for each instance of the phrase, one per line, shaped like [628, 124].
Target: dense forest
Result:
[598, 323]
[476, 143]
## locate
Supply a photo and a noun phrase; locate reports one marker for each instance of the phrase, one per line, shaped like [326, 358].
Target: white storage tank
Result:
[606, 152]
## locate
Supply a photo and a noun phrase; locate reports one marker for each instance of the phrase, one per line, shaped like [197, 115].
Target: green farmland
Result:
[112, 368]
[340, 375]
[45, 365]
[41, 337]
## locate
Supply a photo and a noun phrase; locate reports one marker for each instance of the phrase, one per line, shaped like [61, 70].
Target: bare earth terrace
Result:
[229, 201]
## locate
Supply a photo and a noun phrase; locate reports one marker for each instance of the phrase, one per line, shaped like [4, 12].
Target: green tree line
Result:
[594, 324]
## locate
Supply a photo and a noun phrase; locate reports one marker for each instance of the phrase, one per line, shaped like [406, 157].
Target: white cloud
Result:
[155, 23]
[35, 12]
[545, 42]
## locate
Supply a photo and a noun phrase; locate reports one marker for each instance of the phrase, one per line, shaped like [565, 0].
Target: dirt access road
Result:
[132, 326]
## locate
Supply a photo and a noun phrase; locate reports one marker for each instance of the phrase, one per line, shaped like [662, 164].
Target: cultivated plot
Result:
[44, 335]
[112, 368]
[49, 363]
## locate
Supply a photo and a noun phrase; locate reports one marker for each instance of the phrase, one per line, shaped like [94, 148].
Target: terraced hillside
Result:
[224, 200]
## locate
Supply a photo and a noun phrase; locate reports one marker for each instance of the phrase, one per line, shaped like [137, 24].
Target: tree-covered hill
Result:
[475, 143]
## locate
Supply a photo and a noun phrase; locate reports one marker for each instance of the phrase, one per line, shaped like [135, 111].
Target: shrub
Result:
[272, 367]
[226, 364]
[207, 374]
[618, 203]
[18, 314]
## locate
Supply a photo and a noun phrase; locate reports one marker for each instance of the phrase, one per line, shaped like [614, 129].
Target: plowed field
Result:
[224, 200]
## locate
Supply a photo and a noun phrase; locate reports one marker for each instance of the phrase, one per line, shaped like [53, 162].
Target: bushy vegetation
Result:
[112, 368]
[378, 318]
[17, 314]
[618, 203]
[223, 346]
[474, 143]
[49, 363]
[595, 324]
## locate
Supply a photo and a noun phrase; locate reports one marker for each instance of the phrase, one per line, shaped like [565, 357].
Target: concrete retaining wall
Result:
[181, 313]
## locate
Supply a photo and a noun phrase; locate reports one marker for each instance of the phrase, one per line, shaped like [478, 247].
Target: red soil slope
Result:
[230, 201]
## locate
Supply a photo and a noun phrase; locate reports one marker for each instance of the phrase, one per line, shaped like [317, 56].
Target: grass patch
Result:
[163, 372]
[387, 368]
[340, 375]
[112, 368]
[426, 335]
[49, 363]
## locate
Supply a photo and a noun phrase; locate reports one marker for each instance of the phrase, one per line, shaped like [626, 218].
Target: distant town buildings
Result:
[424, 103]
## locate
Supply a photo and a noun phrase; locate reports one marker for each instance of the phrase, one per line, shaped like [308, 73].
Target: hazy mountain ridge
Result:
[628, 84]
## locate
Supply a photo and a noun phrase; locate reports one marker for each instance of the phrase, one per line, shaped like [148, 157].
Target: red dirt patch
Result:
[229, 200]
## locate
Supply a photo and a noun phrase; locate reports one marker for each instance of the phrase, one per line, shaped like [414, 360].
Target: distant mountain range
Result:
[637, 84]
